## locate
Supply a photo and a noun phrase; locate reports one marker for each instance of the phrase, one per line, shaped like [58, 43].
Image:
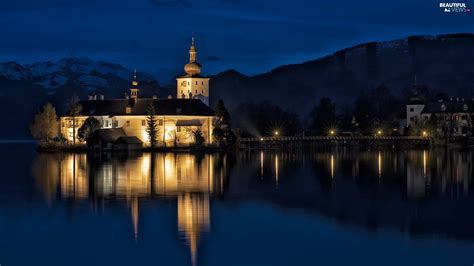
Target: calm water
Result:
[336, 207]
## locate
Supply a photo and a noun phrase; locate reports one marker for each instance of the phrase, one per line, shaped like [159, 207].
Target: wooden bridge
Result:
[300, 142]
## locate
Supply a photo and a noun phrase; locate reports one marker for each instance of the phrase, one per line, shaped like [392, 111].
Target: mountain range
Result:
[443, 63]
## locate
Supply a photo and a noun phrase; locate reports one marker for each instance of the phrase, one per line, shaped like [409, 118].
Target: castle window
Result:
[202, 83]
[128, 123]
[160, 122]
[196, 83]
[196, 91]
[143, 122]
[178, 129]
[202, 91]
[189, 83]
[412, 109]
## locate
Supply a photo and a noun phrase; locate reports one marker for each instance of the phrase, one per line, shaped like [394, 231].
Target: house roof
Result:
[109, 134]
[128, 140]
[188, 107]
[449, 107]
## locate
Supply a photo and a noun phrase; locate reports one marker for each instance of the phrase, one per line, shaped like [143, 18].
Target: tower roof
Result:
[193, 67]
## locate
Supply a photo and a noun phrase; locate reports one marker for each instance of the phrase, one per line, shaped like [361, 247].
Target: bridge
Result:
[300, 142]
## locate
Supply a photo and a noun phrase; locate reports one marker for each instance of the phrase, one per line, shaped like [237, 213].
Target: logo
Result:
[454, 8]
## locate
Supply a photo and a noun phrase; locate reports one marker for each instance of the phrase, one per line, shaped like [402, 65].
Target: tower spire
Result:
[192, 51]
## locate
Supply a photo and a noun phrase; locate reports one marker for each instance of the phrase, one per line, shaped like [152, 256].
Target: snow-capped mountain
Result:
[78, 72]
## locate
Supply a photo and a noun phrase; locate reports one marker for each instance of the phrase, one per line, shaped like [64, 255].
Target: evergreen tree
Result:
[152, 126]
[45, 125]
[222, 133]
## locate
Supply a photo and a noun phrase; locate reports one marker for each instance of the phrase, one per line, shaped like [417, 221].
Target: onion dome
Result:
[193, 67]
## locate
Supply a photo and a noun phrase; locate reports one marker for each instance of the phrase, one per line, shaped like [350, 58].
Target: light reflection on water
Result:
[416, 192]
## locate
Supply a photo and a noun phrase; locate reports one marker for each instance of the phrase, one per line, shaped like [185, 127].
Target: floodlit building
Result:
[178, 119]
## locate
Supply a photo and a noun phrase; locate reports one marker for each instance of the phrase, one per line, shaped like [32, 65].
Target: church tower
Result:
[192, 85]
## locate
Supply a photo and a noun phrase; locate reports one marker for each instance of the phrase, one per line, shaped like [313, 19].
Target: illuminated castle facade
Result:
[178, 118]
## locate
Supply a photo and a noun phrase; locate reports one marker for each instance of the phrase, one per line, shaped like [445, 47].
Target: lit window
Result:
[178, 129]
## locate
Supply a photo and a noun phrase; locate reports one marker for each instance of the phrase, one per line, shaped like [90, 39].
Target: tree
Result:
[222, 132]
[74, 110]
[222, 113]
[264, 118]
[45, 126]
[198, 138]
[152, 126]
[323, 116]
[90, 125]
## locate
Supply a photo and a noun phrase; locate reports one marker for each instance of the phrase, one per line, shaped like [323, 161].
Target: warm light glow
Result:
[261, 139]
[379, 162]
[276, 169]
[379, 132]
[276, 133]
[193, 219]
[332, 132]
[424, 163]
[425, 133]
[261, 164]
[332, 166]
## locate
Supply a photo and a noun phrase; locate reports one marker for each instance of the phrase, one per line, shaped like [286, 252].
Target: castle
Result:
[177, 118]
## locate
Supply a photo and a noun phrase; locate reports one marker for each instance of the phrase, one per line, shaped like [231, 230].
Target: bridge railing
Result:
[333, 138]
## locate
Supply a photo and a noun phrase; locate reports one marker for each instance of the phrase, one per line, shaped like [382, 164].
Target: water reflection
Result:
[417, 192]
[188, 178]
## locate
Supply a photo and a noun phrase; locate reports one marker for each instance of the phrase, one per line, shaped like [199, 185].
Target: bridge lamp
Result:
[332, 132]
[379, 132]
[261, 139]
[425, 133]
[276, 133]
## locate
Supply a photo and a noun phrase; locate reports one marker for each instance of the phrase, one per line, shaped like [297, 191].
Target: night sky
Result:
[251, 36]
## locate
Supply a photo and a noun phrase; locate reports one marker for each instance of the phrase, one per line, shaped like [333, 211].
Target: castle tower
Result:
[134, 89]
[192, 85]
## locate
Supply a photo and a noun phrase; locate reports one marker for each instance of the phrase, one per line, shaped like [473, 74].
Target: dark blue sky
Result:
[251, 36]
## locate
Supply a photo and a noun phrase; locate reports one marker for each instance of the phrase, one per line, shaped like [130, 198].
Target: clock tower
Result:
[192, 85]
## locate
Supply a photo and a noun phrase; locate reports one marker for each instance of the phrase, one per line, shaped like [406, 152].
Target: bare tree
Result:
[45, 125]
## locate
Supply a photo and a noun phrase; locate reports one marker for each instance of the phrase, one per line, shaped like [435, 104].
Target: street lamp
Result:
[332, 132]
[425, 133]
[276, 133]
[379, 132]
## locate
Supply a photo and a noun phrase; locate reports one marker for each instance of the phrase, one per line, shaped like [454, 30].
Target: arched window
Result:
[183, 96]
[190, 95]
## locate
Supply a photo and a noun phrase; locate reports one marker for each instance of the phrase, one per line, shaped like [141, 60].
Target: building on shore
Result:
[178, 119]
[448, 117]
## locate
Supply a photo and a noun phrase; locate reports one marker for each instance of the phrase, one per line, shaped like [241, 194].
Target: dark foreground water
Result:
[336, 207]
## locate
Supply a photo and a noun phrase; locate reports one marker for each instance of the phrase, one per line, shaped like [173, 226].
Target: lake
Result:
[333, 207]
